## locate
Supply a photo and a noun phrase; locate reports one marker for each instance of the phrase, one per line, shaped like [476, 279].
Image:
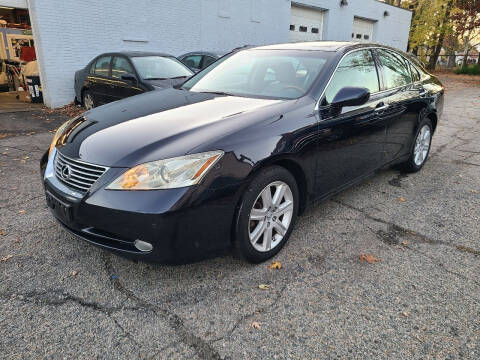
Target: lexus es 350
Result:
[230, 158]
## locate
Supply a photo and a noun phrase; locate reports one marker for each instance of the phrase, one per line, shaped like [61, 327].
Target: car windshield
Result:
[286, 74]
[158, 67]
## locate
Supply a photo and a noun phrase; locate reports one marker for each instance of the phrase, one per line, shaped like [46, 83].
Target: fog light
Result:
[143, 245]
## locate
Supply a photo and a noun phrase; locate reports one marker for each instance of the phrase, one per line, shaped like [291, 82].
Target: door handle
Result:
[381, 108]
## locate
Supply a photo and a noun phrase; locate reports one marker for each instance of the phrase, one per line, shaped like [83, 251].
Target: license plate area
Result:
[62, 210]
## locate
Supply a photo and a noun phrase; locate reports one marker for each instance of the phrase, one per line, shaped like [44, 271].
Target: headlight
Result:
[57, 135]
[167, 174]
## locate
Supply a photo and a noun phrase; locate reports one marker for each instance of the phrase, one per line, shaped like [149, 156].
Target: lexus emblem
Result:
[66, 172]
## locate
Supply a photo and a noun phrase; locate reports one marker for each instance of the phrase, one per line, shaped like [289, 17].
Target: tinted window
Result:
[159, 67]
[102, 66]
[193, 61]
[415, 74]
[356, 69]
[207, 60]
[395, 69]
[121, 66]
[277, 73]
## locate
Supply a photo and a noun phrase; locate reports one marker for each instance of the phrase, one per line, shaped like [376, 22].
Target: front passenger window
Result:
[356, 69]
[120, 66]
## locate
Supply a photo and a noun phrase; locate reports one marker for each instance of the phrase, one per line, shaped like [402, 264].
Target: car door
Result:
[350, 144]
[121, 88]
[98, 79]
[404, 100]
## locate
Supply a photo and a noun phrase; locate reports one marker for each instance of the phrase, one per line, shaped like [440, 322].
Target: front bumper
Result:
[184, 224]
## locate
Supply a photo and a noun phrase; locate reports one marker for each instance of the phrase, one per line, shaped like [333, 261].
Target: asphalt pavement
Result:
[61, 298]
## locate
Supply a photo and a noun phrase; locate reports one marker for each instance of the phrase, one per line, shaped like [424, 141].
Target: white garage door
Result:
[305, 24]
[362, 30]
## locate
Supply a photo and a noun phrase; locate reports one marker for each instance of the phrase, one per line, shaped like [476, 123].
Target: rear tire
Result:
[420, 148]
[266, 215]
[88, 100]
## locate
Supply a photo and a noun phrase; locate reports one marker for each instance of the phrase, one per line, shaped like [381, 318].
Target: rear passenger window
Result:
[102, 66]
[415, 74]
[395, 69]
[356, 69]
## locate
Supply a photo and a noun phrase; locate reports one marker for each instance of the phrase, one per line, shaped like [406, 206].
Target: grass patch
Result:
[468, 70]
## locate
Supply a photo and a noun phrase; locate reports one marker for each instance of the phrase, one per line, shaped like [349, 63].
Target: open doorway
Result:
[20, 86]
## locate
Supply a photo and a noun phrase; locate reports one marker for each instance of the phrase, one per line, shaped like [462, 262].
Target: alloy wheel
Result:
[422, 145]
[270, 216]
[88, 102]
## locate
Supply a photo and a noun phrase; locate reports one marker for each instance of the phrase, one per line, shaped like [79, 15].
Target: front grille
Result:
[77, 174]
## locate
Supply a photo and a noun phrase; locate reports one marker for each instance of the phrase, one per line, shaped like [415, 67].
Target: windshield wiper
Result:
[180, 77]
[155, 79]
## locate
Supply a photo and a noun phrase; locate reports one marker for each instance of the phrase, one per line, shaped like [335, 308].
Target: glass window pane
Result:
[356, 69]
[208, 60]
[102, 66]
[159, 67]
[395, 69]
[193, 61]
[277, 73]
[121, 66]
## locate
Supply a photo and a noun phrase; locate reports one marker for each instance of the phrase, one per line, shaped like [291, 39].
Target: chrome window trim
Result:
[317, 106]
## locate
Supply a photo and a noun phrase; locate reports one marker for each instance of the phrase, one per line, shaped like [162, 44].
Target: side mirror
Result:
[350, 96]
[129, 77]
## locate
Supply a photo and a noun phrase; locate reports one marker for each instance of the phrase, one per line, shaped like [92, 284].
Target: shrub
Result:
[469, 70]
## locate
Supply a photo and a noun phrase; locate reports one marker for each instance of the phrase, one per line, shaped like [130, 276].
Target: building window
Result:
[366, 37]
[353, 35]
[359, 36]
[303, 28]
[314, 30]
[292, 27]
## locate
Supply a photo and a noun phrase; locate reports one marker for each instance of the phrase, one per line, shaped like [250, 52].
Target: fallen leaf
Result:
[3, 232]
[263, 287]
[405, 314]
[256, 325]
[22, 211]
[369, 259]
[5, 258]
[405, 243]
[74, 273]
[475, 191]
[401, 199]
[275, 265]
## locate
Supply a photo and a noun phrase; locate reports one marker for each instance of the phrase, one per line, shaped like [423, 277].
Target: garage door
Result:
[305, 24]
[362, 30]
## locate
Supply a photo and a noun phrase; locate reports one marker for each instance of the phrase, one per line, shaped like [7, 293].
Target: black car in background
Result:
[114, 76]
[199, 60]
[229, 158]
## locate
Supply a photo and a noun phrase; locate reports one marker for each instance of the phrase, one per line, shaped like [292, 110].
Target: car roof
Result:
[138, 53]
[203, 52]
[310, 45]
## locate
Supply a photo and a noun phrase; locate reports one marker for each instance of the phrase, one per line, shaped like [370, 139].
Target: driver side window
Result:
[356, 69]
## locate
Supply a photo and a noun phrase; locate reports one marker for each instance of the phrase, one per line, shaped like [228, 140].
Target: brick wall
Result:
[69, 33]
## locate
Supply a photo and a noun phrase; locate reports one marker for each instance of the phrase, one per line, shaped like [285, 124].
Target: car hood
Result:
[161, 84]
[159, 125]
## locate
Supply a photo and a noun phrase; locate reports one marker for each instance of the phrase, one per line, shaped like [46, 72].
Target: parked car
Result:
[231, 157]
[199, 60]
[114, 76]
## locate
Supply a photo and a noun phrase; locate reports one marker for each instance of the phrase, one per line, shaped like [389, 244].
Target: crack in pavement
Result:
[54, 297]
[389, 238]
[203, 349]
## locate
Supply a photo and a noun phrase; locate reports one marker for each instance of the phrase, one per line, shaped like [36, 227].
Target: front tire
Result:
[88, 100]
[266, 215]
[420, 149]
